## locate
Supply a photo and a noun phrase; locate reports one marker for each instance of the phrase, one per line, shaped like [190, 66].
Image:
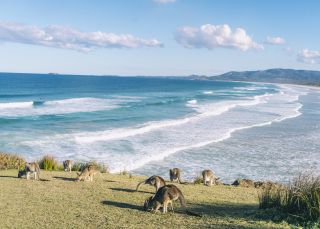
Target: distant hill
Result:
[289, 76]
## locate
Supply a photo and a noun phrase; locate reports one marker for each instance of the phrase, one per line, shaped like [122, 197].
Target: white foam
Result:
[133, 147]
[204, 110]
[64, 106]
[15, 105]
[207, 92]
[193, 101]
[160, 156]
[251, 88]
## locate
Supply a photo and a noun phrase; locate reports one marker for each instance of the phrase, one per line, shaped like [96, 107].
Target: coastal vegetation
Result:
[49, 163]
[299, 201]
[11, 161]
[277, 75]
[111, 201]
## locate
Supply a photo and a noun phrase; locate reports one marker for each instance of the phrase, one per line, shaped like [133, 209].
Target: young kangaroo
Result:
[175, 175]
[208, 177]
[30, 169]
[164, 196]
[87, 173]
[67, 165]
[155, 181]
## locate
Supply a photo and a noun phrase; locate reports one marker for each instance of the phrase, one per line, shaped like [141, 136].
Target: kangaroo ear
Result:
[78, 173]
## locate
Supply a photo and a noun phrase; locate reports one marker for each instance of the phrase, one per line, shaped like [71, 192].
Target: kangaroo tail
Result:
[182, 201]
[142, 182]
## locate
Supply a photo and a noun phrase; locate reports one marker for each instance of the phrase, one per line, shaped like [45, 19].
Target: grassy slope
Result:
[110, 201]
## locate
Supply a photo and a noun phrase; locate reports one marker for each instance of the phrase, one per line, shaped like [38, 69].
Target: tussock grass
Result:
[48, 163]
[11, 161]
[79, 166]
[299, 200]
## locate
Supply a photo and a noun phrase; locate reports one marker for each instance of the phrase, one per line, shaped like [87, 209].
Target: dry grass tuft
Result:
[11, 161]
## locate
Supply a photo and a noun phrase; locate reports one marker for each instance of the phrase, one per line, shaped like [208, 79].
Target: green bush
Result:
[49, 163]
[198, 180]
[79, 166]
[300, 199]
[11, 161]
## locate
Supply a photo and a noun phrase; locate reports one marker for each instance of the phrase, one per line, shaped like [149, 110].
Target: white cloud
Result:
[275, 41]
[69, 38]
[164, 1]
[214, 36]
[309, 57]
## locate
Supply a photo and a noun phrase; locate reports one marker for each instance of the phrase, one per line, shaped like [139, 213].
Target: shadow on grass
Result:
[23, 178]
[230, 210]
[129, 190]
[122, 205]
[4, 176]
[110, 181]
[43, 179]
[66, 178]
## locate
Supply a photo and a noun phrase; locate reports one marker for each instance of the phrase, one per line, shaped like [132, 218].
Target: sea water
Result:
[147, 125]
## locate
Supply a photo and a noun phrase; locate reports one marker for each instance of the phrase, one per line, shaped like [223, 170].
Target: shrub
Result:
[300, 199]
[48, 163]
[79, 166]
[11, 161]
[198, 180]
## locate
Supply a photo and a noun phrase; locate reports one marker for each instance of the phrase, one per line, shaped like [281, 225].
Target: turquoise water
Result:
[147, 125]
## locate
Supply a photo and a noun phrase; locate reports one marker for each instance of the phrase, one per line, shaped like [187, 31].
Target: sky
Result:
[158, 37]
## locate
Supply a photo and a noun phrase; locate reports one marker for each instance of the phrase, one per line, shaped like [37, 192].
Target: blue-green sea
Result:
[147, 125]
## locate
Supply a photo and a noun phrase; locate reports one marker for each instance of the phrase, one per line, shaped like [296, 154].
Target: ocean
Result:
[147, 125]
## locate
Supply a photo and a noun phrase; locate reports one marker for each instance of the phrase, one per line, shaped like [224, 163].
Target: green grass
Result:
[299, 201]
[110, 201]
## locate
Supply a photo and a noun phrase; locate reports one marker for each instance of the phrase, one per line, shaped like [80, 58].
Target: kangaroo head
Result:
[79, 176]
[21, 173]
[147, 204]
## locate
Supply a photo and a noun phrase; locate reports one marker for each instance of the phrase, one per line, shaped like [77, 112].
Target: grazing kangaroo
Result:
[164, 196]
[87, 173]
[155, 181]
[67, 165]
[30, 169]
[209, 177]
[175, 175]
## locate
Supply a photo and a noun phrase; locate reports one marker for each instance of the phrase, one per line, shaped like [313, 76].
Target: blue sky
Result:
[158, 37]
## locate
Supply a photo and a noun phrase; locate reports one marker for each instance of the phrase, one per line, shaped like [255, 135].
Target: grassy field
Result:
[110, 201]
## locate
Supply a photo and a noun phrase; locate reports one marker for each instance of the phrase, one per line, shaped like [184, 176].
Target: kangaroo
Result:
[87, 173]
[155, 181]
[164, 196]
[67, 165]
[209, 177]
[175, 175]
[30, 169]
